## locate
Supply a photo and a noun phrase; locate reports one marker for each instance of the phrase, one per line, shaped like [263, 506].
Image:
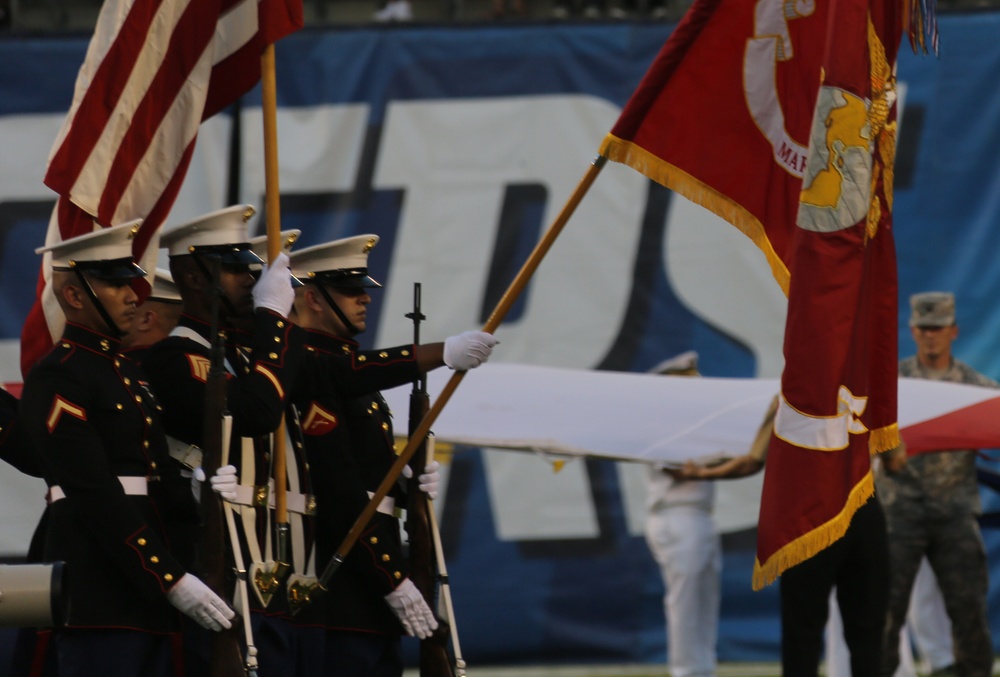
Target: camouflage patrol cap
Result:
[932, 309]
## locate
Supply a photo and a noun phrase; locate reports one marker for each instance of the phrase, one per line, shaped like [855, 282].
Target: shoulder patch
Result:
[200, 366]
[59, 406]
[318, 421]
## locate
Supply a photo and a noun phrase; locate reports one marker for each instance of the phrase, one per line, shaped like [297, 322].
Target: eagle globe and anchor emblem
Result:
[839, 174]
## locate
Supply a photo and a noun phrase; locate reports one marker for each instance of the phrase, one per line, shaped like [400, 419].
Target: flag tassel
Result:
[811, 543]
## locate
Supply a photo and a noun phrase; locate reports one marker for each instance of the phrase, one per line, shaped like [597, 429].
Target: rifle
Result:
[434, 660]
[225, 660]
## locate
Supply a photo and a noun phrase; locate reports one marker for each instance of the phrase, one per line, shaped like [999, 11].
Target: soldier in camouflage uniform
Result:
[931, 501]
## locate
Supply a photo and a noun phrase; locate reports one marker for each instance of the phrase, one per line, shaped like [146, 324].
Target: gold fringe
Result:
[679, 181]
[809, 544]
[883, 439]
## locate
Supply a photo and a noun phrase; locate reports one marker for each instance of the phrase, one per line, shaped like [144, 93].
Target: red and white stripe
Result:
[154, 70]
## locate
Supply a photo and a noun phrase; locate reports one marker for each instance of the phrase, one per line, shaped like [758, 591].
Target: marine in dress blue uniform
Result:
[348, 439]
[259, 358]
[95, 423]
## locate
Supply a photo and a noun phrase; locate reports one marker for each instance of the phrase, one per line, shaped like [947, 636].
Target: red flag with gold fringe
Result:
[780, 118]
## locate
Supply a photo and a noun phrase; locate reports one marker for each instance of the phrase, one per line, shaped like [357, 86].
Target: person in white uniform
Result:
[683, 539]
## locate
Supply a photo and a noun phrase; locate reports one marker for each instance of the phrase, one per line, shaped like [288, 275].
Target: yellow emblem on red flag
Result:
[780, 118]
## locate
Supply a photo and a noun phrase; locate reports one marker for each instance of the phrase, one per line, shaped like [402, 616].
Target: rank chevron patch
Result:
[59, 405]
[318, 421]
[200, 367]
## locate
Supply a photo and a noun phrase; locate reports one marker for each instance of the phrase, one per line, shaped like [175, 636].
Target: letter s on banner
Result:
[455, 183]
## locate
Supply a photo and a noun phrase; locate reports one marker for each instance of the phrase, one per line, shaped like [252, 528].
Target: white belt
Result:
[301, 504]
[188, 455]
[133, 486]
[387, 506]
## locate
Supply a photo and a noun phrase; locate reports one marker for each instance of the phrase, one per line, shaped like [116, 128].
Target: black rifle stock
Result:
[434, 659]
[226, 656]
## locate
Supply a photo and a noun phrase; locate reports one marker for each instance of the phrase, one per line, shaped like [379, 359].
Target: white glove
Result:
[411, 609]
[197, 477]
[197, 600]
[224, 482]
[274, 287]
[430, 480]
[468, 350]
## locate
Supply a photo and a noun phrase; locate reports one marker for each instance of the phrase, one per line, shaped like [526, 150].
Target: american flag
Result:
[154, 70]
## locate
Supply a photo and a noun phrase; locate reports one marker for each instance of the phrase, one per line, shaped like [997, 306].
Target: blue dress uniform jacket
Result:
[15, 447]
[349, 445]
[178, 369]
[93, 419]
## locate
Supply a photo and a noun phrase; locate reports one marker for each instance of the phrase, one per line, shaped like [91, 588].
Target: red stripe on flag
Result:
[188, 42]
[101, 97]
[974, 427]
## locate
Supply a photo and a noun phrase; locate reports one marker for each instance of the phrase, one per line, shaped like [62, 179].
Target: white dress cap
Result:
[105, 253]
[341, 262]
[222, 233]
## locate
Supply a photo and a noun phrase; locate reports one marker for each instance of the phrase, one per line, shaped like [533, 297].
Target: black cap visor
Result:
[111, 269]
[231, 254]
[347, 278]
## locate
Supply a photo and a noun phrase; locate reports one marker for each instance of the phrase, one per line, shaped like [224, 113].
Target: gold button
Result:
[168, 577]
[159, 407]
[361, 358]
[277, 339]
[65, 345]
[149, 420]
[375, 406]
[141, 541]
[138, 398]
[128, 381]
[405, 353]
[152, 465]
[385, 558]
[273, 356]
[281, 324]
[383, 354]
[397, 575]
[145, 444]
[119, 406]
[154, 559]
[105, 346]
[369, 411]
[373, 540]
[346, 348]
[385, 426]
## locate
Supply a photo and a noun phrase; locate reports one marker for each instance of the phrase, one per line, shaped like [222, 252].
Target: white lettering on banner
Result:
[722, 277]
[320, 148]
[454, 160]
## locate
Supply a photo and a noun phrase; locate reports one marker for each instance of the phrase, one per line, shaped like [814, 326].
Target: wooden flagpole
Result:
[272, 212]
[517, 286]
